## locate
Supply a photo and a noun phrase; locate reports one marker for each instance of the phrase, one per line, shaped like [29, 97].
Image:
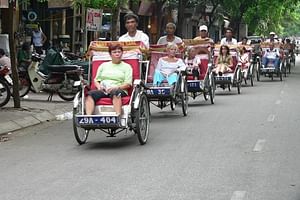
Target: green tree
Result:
[265, 15]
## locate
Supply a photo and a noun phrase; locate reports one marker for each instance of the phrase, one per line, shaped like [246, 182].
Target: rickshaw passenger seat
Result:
[134, 63]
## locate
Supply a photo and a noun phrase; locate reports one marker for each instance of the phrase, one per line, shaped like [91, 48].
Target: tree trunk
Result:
[180, 17]
[114, 21]
[12, 47]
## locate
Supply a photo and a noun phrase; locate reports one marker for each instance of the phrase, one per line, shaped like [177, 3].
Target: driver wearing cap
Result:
[272, 38]
[203, 35]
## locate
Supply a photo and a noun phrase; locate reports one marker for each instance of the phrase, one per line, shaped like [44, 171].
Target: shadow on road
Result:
[104, 143]
[43, 101]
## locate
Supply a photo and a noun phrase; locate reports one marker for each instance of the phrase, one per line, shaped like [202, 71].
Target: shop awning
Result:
[59, 4]
[4, 4]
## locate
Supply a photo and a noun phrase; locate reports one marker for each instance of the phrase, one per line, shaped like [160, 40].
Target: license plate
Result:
[221, 78]
[193, 84]
[76, 83]
[9, 80]
[158, 91]
[97, 120]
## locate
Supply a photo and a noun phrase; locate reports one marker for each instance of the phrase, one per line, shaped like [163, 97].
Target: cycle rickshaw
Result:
[165, 95]
[135, 107]
[205, 83]
[229, 79]
[248, 70]
[270, 70]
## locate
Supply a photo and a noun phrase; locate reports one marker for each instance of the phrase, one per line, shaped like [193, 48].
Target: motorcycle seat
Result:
[62, 68]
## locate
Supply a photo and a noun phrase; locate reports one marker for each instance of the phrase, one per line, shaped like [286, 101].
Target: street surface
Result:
[244, 147]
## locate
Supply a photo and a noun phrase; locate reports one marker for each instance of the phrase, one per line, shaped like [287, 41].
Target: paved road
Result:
[243, 147]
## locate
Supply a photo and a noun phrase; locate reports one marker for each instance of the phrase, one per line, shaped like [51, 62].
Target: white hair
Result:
[172, 45]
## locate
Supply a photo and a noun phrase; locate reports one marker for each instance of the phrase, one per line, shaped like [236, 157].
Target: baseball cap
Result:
[272, 33]
[203, 28]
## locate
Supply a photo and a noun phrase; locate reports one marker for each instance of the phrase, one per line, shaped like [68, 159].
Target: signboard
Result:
[94, 19]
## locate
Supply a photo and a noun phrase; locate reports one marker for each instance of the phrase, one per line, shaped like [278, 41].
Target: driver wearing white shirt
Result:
[131, 23]
[228, 40]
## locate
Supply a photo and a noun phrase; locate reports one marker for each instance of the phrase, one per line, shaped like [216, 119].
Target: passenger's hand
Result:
[101, 88]
[109, 90]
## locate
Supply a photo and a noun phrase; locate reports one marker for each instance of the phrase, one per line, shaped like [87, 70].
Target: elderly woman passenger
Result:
[113, 79]
[167, 67]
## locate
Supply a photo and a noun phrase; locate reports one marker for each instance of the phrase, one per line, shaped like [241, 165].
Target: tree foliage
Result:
[262, 16]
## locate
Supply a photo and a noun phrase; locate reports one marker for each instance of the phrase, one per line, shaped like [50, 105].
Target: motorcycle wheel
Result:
[4, 93]
[66, 96]
[24, 86]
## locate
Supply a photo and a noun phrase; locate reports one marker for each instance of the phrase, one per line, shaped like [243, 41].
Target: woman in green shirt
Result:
[113, 79]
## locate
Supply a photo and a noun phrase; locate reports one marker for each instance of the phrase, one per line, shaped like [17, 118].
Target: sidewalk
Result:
[34, 110]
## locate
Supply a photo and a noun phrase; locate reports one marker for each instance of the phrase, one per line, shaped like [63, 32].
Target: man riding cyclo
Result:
[170, 37]
[131, 24]
[208, 43]
[228, 39]
[198, 57]
[273, 38]
[198, 49]
[289, 47]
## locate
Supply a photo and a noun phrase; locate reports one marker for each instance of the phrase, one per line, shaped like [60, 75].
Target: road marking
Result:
[278, 102]
[281, 93]
[271, 118]
[259, 145]
[238, 195]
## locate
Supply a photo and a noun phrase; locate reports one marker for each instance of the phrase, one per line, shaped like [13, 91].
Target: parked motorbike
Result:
[5, 82]
[72, 59]
[53, 78]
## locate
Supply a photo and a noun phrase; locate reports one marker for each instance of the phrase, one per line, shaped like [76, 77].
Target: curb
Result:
[38, 118]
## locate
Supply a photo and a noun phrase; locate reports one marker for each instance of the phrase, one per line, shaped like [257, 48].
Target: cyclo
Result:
[270, 69]
[289, 57]
[229, 79]
[205, 82]
[248, 65]
[164, 94]
[135, 107]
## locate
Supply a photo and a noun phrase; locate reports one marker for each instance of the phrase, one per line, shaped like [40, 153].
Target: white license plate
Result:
[97, 120]
[77, 83]
[9, 80]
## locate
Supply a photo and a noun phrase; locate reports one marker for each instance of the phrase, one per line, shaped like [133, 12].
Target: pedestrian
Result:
[38, 39]
[24, 56]
[131, 23]
[4, 60]
[170, 37]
